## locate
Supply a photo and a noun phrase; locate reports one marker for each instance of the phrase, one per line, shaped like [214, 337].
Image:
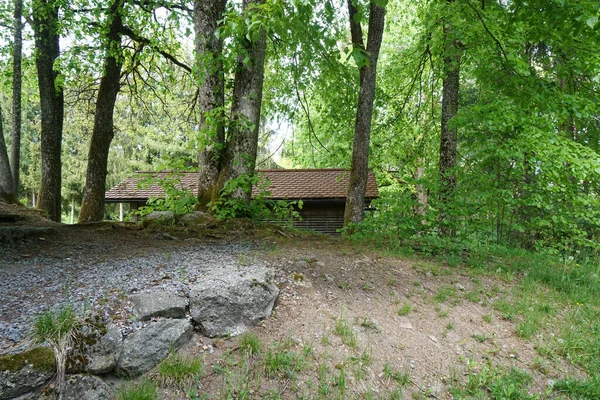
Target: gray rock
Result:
[24, 372]
[147, 347]
[159, 218]
[229, 301]
[102, 355]
[87, 387]
[158, 304]
[199, 219]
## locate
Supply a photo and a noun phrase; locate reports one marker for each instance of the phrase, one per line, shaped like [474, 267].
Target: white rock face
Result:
[229, 301]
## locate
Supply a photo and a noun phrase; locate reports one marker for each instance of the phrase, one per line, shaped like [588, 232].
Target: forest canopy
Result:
[480, 119]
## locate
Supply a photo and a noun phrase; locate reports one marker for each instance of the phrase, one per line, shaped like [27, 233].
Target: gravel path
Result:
[33, 284]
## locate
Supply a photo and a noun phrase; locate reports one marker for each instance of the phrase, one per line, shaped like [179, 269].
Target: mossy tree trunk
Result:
[239, 158]
[45, 27]
[211, 96]
[92, 207]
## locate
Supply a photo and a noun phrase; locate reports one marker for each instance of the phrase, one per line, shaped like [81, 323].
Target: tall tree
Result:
[448, 138]
[366, 58]
[6, 183]
[211, 96]
[46, 32]
[239, 158]
[17, 89]
[92, 208]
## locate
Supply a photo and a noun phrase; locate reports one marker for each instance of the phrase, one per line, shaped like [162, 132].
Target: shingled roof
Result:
[286, 184]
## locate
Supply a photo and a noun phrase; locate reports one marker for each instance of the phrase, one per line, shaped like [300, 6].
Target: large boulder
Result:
[24, 372]
[164, 218]
[87, 387]
[229, 301]
[199, 219]
[102, 350]
[145, 348]
[158, 304]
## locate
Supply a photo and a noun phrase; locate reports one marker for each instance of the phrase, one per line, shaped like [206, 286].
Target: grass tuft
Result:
[144, 390]
[179, 370]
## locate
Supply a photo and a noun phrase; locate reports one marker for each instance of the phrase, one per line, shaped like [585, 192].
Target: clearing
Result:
[352, 321]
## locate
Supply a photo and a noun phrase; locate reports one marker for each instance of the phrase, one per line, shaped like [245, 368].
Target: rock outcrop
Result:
[158, 304]
[24, 372]
[87, 387]
[147, 347]
[229, 302]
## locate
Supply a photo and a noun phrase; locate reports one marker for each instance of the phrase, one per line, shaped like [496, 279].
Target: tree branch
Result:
[140, 39]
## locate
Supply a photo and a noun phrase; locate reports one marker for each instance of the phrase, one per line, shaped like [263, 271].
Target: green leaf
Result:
[592, 21]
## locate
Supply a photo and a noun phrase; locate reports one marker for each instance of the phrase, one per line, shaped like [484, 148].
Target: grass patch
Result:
[250, 344]
[445, 293]
[343, 329]
[578, 389]
[283, 363]
[486, 381]
[179, 370]
[404, 310]
[144, 390]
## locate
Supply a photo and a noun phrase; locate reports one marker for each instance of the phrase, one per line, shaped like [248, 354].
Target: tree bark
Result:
[45, 26]
[92, 207]
[211, 96]
[357, 186]
[7, 194]
[239, 158]
[448, 136]
[16, 103]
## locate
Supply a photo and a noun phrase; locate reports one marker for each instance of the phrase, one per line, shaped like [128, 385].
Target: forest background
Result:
[485, 122]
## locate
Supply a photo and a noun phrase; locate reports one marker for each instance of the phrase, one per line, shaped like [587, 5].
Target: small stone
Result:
[460, 287]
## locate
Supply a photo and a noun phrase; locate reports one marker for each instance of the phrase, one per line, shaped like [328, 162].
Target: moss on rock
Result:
[39, 358]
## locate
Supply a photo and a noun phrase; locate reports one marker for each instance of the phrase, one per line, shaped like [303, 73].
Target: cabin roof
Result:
[285, 184]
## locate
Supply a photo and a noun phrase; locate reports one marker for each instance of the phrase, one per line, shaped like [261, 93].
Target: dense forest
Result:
[480, 119]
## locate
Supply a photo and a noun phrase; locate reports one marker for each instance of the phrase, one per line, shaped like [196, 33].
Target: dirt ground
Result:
[429, 321]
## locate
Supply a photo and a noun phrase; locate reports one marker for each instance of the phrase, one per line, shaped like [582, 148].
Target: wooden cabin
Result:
[322, 192]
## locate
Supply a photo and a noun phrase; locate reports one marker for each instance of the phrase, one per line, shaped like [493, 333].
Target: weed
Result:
[343, 329]
[144, 390]
[367, 323]
[402, 378]
[479, 338]
[250, 344]
[487, 318]
[404, 310]
[450, 326]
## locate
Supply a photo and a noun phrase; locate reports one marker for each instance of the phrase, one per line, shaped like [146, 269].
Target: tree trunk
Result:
[448, 136]
[92, 207]
[211, 96]
[45, 26]
[16, 104]
[6, 183]
[72, 209]
[239, 158]
[357, 186]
